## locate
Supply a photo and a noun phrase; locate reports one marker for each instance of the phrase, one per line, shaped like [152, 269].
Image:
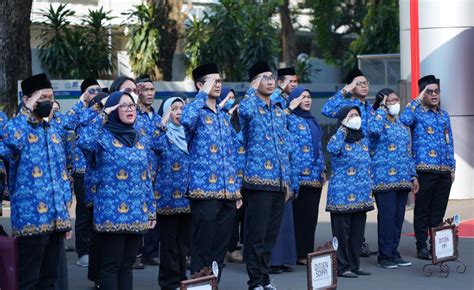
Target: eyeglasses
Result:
[364, 83]
[434, 92]
[130, 90]
[127, 107]
[268, 78]
[93, 91]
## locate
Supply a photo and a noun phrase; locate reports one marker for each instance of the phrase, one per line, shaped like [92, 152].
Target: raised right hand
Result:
[31, 102]
[208, 85]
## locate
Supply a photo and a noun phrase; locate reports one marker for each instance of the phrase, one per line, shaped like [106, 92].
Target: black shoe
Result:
[361, 272]
[138, 265]
[387, 264]
[69, 249]
[151, 261]
[365, 252]
[286, 268]
[400, 262]
[348, 274]
[275, 270]
[423, 254]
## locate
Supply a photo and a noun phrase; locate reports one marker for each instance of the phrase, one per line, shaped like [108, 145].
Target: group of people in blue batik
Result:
[188, 182]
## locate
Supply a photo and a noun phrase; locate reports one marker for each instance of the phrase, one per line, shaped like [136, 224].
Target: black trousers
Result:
[390, 216]
[38, 259]
[431, 202]
[263, 216]
[83, 226]
[151, 243]
[305, 217]
[238, 229]
[175, 243]
[212, 222]
[118, 253]
[63, 277]
[93, 271]
[349, 229]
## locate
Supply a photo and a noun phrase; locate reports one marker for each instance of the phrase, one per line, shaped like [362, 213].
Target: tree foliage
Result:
[68, 51]
[234, 35]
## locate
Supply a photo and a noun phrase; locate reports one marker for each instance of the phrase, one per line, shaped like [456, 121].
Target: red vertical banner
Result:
[414, 47]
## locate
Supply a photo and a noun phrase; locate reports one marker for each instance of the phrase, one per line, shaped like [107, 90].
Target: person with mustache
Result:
[433, 150]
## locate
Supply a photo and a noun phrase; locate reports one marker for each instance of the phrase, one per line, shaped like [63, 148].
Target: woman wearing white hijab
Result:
[171, 183]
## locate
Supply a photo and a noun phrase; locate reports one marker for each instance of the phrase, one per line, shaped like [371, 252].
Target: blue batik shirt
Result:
[393, 165]
[41, 193]
[433, 147]
[336, 102]
[308, 169]
[172, 176]
[267, 144]
[124, 201]
[210, 138]
[350, 188]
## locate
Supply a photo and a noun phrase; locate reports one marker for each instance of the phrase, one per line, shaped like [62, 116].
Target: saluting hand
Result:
[224, 101]
[285, 84]
[109, 110]
[256, 82]
[421, 95]
[31, 102]
[350, 87]
[296, 102]
[208, 85]
[166, 118]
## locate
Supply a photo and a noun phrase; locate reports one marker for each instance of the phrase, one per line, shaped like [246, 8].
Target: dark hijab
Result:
[126, 134]
[352, 135]
[315, 129]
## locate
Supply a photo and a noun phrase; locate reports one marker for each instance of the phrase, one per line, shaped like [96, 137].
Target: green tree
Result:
[98, 50]
[335, 24]
[234, 35]
[380, 32]
[68, 51]
[143, 40]
[54, 50]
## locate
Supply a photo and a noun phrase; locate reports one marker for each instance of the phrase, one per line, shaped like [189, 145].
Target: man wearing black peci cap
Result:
[433, 151]
[287, 81]
[41, 193]
[266, 174]
[214, 189]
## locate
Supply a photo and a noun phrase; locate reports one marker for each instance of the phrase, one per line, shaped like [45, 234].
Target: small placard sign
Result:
[201, 283]
[445, 246]
[322, 267]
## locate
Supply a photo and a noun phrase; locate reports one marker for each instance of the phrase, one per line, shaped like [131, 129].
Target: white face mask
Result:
[393, 109]
[354, 123]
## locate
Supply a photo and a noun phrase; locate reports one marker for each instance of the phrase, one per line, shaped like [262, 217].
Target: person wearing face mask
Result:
[266, 180]
[41, 194]
[124, 207]
[354, 93]
[309, 171]
[169, 143]
[349, 192]
[433, 150]
[214, 191]
[394, 175]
